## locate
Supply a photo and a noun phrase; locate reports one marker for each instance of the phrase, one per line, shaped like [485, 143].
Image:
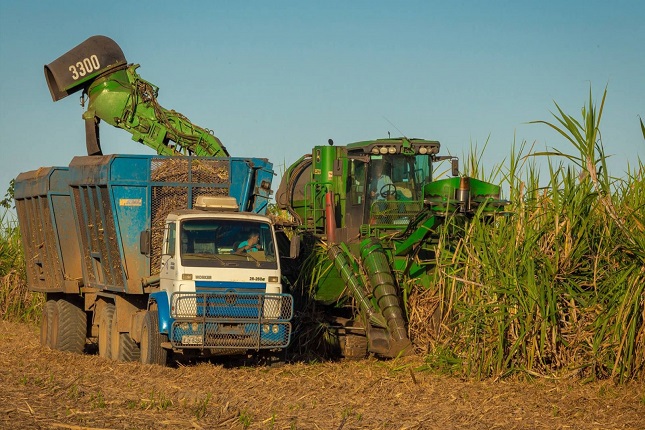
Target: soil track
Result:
[52, 389]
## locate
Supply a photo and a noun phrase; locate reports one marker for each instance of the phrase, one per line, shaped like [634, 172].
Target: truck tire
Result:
[123, 347]
[151, 339]
[71, 327]
[47, 323]
[106, 316]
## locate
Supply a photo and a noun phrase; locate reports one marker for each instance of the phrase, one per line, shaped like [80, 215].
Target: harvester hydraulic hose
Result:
[383, 289]
[346, 271]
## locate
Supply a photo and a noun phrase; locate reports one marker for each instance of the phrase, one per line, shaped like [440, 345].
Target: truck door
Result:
[168, 272]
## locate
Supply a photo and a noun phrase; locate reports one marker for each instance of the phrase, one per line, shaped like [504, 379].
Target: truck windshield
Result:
[399, 177]
[227, 243]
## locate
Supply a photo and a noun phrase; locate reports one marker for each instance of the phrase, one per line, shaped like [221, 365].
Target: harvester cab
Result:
[376, 208]
[116, 94]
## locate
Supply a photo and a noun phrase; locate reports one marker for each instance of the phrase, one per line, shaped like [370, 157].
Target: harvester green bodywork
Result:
[117, 95]
[380, 235]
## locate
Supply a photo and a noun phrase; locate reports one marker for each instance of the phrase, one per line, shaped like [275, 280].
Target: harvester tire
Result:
[47, 323]
[106, 318]
[151, 339]
[123, 347]
[355, 347]
[72, 327]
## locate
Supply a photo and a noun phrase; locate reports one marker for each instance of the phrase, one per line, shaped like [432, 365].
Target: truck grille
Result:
[231, 320]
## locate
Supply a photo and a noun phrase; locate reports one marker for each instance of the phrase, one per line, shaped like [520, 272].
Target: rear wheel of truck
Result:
[151, 339]
[71, 327]
[106, 317]
[50, 311]
[123, 347]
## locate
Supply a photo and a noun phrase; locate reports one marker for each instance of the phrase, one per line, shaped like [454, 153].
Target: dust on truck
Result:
[142, 254]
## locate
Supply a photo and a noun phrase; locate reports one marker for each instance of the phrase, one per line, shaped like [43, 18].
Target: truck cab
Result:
[220, 284]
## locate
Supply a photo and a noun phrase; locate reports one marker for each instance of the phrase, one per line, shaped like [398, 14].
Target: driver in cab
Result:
[250, 244]
[381, 183]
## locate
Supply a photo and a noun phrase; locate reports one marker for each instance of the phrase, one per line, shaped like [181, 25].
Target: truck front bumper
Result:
[230, 320]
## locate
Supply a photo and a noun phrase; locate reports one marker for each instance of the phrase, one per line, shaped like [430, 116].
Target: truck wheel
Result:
[123, 348]
[46, 324]
[151, 350]
[71, 327]
[106, 316]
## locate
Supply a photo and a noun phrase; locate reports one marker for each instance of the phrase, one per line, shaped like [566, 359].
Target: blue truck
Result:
[141, 254]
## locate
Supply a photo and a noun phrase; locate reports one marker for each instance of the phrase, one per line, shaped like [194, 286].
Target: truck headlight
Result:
[275, 329]
[265, 328]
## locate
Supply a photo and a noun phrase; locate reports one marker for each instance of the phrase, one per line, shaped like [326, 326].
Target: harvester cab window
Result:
[381, 186]
[356, 182]
[408, 175]
[422, 170]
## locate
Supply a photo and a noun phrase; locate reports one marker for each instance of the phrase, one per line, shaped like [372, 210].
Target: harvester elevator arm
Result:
[117, 95]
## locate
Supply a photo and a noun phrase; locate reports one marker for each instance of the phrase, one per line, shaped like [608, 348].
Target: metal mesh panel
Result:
[394, 212]
[230, 335]
[110, 232]
[208, 191]
[231, 320]
[164, 200]
[169, 169]
[231, 304]
[210, 171]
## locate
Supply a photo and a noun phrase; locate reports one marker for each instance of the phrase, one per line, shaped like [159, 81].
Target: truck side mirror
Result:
[144, 242]
[294, 248]
[455, 166]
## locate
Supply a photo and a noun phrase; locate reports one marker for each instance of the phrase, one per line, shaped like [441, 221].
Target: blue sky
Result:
[275, 78]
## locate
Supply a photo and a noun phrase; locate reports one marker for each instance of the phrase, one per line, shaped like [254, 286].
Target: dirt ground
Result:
[41, 388]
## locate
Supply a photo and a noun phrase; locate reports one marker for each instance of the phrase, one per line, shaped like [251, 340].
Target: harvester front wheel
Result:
[151, 339]
[353, 340]
[354, 346]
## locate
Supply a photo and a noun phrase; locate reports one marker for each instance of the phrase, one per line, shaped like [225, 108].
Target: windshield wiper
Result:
[205, 255]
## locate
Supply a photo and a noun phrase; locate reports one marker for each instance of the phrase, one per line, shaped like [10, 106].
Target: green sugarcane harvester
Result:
[377, 209]
[118, 96]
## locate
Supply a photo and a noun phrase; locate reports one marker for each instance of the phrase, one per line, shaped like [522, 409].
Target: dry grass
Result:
[52, 389]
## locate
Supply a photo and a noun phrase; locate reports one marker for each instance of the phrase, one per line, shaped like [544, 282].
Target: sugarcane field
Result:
[322, 215]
